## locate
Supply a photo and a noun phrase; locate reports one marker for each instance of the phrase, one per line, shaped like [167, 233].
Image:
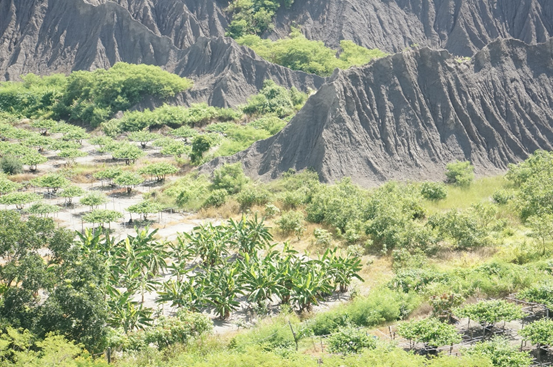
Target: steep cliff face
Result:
[58, 36]
[183, 21]
[406, 116]
[462, 26]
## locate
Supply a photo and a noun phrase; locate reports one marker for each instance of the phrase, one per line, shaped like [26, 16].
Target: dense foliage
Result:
[90, 97]
[298, 53]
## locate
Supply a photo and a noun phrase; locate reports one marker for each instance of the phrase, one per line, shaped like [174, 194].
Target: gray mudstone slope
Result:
[406, 116]
[460, 26]
[60, 36]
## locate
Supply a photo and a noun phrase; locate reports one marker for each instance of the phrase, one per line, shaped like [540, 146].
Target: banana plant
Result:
[189, 294]
[151, 252]
[249, 235]
[223, 289]
[126, 313]
[209, 243]
[342, 270]
[260, 279]
[180, 254]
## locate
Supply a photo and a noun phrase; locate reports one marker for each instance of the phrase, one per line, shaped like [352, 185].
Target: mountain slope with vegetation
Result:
[407, 115]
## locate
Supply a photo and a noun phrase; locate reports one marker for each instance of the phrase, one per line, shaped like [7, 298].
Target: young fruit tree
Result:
[128, 180]
[432, 332]
[488, 313]
[158, 170]
[71, 192]
[539, 333]
[102, 216]
[144, 208]
[94, 199]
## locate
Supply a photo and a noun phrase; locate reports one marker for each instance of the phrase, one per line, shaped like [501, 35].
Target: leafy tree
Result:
[292, 222]
[19, 199]
[200, 145]
[184, 132]
[38, 142]
[349, 339]
[158, 170]
[460, 173]
[175, 148]
[539, 332]
[71, 155]
[216, 198]
[33, 159]
[143, 137]
[229, 177]
[71, 192]
[108, 174]
[52, 182]
[251, 196]
[144, 208]
[94, 199]
[431, 332]
[44, 125]
[539, 293]
[101, 216]
[95, 96]
[298, 53]
[128, 180]
[542, 228]
[500, 352]
[130, 153]
[76, 134]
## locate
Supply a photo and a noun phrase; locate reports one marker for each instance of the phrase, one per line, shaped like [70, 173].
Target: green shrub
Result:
[502, 197]
[349, 340]
[460, 173]
[539, 332]
[253, 195]
[433, 191]
[381, 305]
[292, 222]
[491, 312]
[216, 198]
[271, 210]
[298, 53]
[229, 177]
[11, 165]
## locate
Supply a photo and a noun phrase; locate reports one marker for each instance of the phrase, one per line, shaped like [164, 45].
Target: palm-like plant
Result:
[249, 235]
[209, 243]
[260, 279]
[126, 313]
[190, 294]
[342, 270]
[223, 289]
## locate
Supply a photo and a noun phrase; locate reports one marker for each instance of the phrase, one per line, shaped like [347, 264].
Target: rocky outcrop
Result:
[461, 26]
[406, 116]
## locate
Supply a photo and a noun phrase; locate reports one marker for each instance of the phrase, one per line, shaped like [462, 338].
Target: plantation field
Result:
[114, 247]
